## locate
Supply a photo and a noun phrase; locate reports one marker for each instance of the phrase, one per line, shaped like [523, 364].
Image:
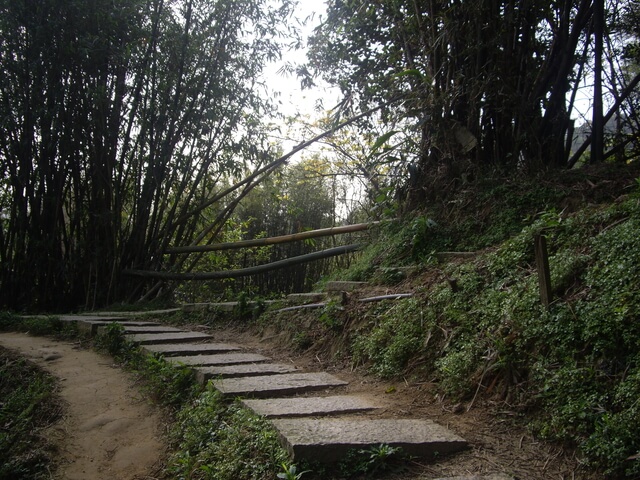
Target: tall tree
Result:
[297, 199]
[118, 119]
[485, 83]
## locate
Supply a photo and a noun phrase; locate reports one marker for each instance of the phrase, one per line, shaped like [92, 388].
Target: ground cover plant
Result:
[28, 405]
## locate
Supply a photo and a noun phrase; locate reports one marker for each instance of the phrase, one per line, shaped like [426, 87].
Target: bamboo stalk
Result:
[244, 272]
[260, 242]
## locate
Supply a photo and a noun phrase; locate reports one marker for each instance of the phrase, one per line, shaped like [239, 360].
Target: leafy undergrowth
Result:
[479, 330]
[37, 325]
[28, 405]
[219, 440]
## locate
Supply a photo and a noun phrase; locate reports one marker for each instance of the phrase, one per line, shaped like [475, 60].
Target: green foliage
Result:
[28, 405]
[8, 321]
[139, 113]
[394, 335]
[331, 316]
[37, 325]
[302, 341]
[172, 385]
[220, 441]
[290, 472]
[373, 461]
[112, 340]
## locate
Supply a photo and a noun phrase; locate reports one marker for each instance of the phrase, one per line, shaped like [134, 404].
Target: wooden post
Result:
[544, 276]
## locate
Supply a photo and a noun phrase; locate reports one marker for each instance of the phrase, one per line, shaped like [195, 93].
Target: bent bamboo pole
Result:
[244, 272]
[260, 242]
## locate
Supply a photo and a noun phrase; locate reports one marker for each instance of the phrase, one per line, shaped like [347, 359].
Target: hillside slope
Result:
[475, 327]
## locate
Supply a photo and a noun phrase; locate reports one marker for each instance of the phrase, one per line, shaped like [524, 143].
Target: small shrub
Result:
[330, 316]
[112, 340]
[373, 461]
[290, 472]
[396, 333]
[37, 325]
[28, 404]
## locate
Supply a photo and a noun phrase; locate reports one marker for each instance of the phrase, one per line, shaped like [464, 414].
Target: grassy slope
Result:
[574, 369]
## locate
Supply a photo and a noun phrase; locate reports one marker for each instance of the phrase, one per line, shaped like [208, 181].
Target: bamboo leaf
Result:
[382, 140]
[412, 72]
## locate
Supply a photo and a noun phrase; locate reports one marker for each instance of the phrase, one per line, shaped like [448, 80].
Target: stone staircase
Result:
[315, 420]
[299, 301]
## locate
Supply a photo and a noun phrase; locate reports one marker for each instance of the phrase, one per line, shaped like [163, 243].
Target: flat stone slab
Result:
[220, 359]
[204, 374]
[88, 318]
[309, 406]
[159, 338]
[136, 313]
[277, 385]
[92, 326]
[310, 296]
[327, 440]
[183, 349]
[147, 329]
[101, 328]
[478, 477]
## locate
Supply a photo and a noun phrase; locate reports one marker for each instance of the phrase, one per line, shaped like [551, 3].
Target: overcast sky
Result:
[295, 100]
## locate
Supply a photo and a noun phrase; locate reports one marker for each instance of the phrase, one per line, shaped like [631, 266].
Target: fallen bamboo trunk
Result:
[244, 272]
[261, 242]
[395, 296]
[302, 307]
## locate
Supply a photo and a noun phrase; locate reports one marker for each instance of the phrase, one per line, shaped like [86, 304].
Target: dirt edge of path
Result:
[108, 430]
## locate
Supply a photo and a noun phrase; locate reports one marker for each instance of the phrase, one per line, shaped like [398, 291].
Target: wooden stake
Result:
[544, 275]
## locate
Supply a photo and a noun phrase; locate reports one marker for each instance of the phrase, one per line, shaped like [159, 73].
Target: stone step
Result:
[91, 327]
[310, 296]
[498, 476]
[159, 338]
[309, 406]
[185, 349]
[135, 313]
[220, 359]
[143, 328]
[89, 318]
[343, 286]
[277, 385]
[327, 440]
[204, 374]
[221, 306]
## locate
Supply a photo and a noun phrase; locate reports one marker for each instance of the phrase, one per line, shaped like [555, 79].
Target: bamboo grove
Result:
[118, 119]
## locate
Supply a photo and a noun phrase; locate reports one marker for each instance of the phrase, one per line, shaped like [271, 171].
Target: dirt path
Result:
[108, 432]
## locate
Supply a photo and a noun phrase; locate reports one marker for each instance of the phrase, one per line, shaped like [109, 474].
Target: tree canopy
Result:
[485, 85]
